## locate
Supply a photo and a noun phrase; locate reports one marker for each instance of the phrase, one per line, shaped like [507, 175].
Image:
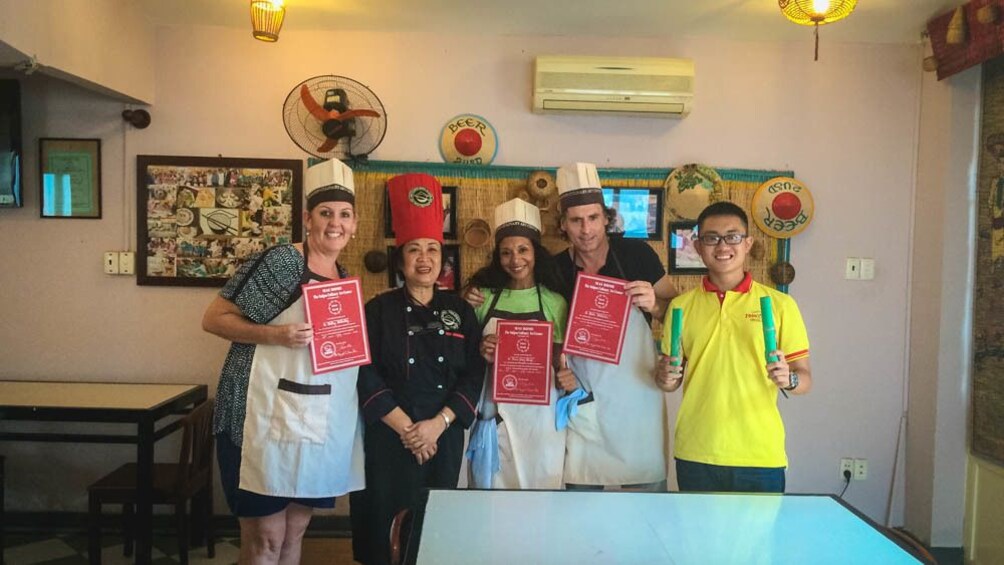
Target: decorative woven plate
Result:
[540, 186]
[690, 188]
[477, 234]
[375, 261]
[469, 139]
[782, 273]
[782, 207]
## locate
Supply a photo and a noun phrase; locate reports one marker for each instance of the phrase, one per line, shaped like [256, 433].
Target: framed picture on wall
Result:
[200, 218]
[683, 257]
[639, 211]
[449, 214]
[449, 277]
[70, 177]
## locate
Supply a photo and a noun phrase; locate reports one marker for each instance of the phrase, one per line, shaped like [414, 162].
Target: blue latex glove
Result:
[566, 407]
[483, 452]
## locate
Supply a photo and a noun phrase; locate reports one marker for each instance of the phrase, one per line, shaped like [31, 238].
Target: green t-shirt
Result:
[525, 300]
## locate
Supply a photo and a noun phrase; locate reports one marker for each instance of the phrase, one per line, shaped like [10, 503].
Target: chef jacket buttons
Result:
[411, 360]
[440, 358]
[408, 308]
[441, 332]
[411, 332]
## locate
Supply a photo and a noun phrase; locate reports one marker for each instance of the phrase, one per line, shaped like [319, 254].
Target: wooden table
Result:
[141, 405]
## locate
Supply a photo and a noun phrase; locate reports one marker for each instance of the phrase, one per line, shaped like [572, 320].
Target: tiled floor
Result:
[71, 549]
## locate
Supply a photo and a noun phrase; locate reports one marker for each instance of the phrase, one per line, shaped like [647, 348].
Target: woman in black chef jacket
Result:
[423, 385]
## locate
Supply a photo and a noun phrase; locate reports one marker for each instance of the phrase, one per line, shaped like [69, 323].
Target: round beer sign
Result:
[782, 207]
[468, 139]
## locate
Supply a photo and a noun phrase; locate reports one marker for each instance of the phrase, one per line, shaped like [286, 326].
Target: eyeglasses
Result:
[713, 239]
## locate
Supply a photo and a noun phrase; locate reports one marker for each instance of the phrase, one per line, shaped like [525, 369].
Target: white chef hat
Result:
[579, 184]
[329, 181]
[517, 217]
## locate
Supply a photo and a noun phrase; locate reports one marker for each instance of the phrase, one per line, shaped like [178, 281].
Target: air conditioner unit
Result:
[624, 86]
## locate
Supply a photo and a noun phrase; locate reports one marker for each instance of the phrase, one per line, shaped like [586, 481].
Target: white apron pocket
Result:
[585, 423]
[300, 412]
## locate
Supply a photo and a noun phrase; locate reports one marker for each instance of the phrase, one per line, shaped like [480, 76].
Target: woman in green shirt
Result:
[521, 283]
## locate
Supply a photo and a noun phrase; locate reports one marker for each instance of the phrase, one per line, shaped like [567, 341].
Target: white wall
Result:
[940, 337]
[106, 45]
[846, 125]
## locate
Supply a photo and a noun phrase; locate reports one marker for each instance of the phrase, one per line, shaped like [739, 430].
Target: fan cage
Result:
[305, 130]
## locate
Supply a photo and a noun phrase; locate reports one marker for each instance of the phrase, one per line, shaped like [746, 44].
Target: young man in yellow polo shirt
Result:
[729, 435]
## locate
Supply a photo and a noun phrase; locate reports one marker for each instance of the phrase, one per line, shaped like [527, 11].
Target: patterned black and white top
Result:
[267, 284]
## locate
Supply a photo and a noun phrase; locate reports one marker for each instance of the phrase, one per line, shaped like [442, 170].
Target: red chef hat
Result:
[416, 206]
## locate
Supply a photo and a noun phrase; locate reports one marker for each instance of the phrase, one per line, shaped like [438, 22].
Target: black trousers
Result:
[394, 480]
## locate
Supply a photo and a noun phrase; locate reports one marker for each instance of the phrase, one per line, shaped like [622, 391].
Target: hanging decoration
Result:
[266, 19]
[957, 28]
[989, 14]
[965, 36]
[816, 13]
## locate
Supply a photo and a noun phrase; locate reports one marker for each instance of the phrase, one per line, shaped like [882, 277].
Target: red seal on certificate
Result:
[509, 382]
[522, 370]
[335, 311]
[597, 320]
[335, 308]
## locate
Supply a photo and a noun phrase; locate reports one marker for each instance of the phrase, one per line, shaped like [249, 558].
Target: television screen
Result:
[639, 211]
[11, 153]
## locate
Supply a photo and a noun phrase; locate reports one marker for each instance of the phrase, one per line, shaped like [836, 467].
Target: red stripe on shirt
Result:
[468, 402]
[796, 355]
[374, 395]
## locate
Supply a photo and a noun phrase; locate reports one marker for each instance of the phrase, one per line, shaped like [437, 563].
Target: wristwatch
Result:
[793, 381]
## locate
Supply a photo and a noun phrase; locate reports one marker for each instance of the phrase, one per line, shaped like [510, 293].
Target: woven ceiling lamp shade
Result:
[816, 13]
[266, 19]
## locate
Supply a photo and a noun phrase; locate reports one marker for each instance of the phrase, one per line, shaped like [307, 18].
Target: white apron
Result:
[619, 438]
[299, 441]
[531, 450]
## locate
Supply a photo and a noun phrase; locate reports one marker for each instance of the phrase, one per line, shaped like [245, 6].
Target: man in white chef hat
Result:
[617, 436]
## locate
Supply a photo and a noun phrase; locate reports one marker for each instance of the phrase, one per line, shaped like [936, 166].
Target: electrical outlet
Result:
[852, 270]
[867, 268]
[860, 469]
[127, 263]
[111, 263]
[846, 465]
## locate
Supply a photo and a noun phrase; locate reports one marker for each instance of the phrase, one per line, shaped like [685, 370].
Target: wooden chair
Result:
[191, 478]
[400, 536]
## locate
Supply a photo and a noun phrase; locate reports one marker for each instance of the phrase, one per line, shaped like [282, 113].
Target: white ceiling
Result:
[873, 21]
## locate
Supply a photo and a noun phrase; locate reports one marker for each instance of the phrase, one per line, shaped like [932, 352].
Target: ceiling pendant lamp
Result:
[266, 19]
[816, 13]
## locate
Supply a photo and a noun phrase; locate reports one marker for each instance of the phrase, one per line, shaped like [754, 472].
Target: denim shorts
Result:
[247, 504]
[702, 477]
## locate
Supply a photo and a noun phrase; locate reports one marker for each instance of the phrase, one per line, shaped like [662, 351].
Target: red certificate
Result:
[597, 320]
[335, 310]
[522, 370]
